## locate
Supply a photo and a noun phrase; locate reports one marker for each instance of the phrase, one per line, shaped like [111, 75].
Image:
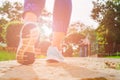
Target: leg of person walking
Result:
[29, 32]
[61, 18]
[33, 9]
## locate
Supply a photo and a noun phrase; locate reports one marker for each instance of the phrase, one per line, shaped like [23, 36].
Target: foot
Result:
[28, 37]
[54, 55]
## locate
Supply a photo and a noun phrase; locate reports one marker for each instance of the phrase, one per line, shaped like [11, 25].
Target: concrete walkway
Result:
[75, 68]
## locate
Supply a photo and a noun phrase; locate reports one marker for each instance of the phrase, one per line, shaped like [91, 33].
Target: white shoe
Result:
[54, 54]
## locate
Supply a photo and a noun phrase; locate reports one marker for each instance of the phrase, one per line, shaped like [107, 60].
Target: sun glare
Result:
[81, 11]
[46, 30]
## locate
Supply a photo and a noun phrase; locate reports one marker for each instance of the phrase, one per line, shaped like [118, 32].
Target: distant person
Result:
[85, 47]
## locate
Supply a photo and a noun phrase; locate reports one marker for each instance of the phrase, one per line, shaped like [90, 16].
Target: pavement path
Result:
[74, 68]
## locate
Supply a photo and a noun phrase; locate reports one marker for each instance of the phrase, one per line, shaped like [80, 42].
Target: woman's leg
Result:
[32, 9]
[61, 18]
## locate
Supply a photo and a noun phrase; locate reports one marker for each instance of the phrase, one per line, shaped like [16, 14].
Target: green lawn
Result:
[4, 56]
[113, 57]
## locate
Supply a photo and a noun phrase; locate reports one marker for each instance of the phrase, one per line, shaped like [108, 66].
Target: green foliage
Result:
[101, 34]
[4, 55]
[106, 12]
[74, 38]
[1, 39]
[9, 12]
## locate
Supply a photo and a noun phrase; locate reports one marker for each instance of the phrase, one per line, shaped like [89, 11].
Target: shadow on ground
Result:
[20, 72]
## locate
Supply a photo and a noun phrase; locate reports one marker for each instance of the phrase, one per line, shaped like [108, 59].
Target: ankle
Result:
[57, 39]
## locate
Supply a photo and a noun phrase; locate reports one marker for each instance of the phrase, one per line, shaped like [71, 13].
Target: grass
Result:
[113, 56]
[5, 56]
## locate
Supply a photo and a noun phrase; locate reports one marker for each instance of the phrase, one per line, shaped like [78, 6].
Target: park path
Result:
[75, 68]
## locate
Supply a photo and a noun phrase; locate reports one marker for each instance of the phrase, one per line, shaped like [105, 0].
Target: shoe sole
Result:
[28, 56]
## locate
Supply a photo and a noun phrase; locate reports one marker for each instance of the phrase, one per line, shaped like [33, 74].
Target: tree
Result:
[9, 12]
[106, 12]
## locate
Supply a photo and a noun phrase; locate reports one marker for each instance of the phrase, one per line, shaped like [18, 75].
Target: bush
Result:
[12, 33]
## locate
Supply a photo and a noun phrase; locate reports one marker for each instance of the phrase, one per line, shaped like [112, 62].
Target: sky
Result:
[81, 11]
